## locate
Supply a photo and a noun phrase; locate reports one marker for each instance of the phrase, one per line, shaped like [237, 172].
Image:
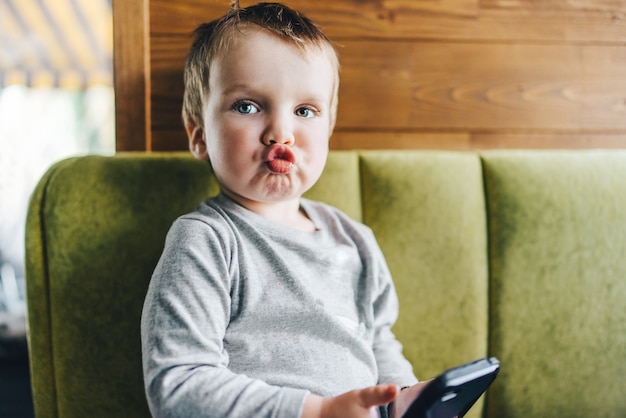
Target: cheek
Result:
[232, 148]
[321, 157]
[317, 151]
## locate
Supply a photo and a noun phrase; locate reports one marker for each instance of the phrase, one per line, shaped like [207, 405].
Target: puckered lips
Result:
[279, 159]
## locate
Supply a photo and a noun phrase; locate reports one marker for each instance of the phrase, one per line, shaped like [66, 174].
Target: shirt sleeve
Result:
[184, 320]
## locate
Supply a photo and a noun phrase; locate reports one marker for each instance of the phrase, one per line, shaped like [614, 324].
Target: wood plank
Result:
[395, 85]
[482, 141]
[167, 62]
[327, 13]
[131, 75]
[547, 141]
[400, 140]
[352, 19]
[170, 139]
[584, 5]
[546, 26]
[182, 17]
[603, 21]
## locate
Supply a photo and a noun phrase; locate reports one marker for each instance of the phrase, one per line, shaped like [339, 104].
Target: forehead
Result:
[254, 49]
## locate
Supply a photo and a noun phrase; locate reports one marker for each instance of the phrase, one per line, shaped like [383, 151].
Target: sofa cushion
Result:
[427, 211]
[102, 222]
[557, 223]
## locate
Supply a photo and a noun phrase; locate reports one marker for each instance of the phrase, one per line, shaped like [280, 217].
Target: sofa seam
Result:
[481, 158]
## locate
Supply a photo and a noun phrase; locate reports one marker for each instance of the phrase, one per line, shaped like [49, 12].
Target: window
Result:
[56, 100]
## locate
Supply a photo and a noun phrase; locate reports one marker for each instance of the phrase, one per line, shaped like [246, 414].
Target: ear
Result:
[197, 141]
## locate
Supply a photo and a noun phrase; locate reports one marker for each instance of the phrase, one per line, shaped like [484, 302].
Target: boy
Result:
[265, 303]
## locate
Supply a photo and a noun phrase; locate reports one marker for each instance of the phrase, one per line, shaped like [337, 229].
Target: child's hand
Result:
[405, 398]
[360, 403]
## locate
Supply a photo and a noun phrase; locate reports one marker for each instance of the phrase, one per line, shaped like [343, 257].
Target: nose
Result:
[279, 130]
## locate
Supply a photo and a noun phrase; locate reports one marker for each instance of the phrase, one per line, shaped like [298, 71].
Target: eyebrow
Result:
[249, 89]
[238, 87]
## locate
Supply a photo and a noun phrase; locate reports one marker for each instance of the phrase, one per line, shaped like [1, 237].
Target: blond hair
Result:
[213, 39]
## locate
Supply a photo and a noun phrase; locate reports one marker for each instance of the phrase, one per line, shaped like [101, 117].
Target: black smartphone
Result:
[452, 394]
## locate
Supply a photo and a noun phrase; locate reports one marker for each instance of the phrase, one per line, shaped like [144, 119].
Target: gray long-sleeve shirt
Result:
[244, 317]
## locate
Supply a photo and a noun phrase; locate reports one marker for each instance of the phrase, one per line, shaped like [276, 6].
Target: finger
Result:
[378, 395]
[415, 390]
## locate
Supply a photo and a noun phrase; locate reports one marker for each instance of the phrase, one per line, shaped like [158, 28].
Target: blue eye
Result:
[245, 108]
[304, 112]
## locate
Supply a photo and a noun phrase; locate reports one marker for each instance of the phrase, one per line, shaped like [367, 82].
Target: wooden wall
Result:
[447, 74]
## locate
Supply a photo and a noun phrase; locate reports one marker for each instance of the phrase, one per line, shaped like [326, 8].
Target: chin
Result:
[282, 187]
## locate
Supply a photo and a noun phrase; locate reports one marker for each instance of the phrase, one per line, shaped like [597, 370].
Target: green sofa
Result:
[515, 254]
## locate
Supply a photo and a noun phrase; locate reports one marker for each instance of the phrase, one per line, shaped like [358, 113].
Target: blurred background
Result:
[56, 100]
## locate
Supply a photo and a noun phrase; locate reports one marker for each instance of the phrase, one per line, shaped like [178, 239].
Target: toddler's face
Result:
[267, 119]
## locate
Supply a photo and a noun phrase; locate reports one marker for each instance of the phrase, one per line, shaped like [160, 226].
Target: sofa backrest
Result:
[516, 255]
[557, 262]
[428, 213]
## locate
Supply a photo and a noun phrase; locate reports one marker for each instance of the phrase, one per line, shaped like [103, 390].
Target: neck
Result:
[287, 213]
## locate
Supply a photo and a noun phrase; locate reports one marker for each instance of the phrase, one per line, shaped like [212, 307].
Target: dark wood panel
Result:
[131, 75]
[450, 73]
[172, 139]
[167, 63]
